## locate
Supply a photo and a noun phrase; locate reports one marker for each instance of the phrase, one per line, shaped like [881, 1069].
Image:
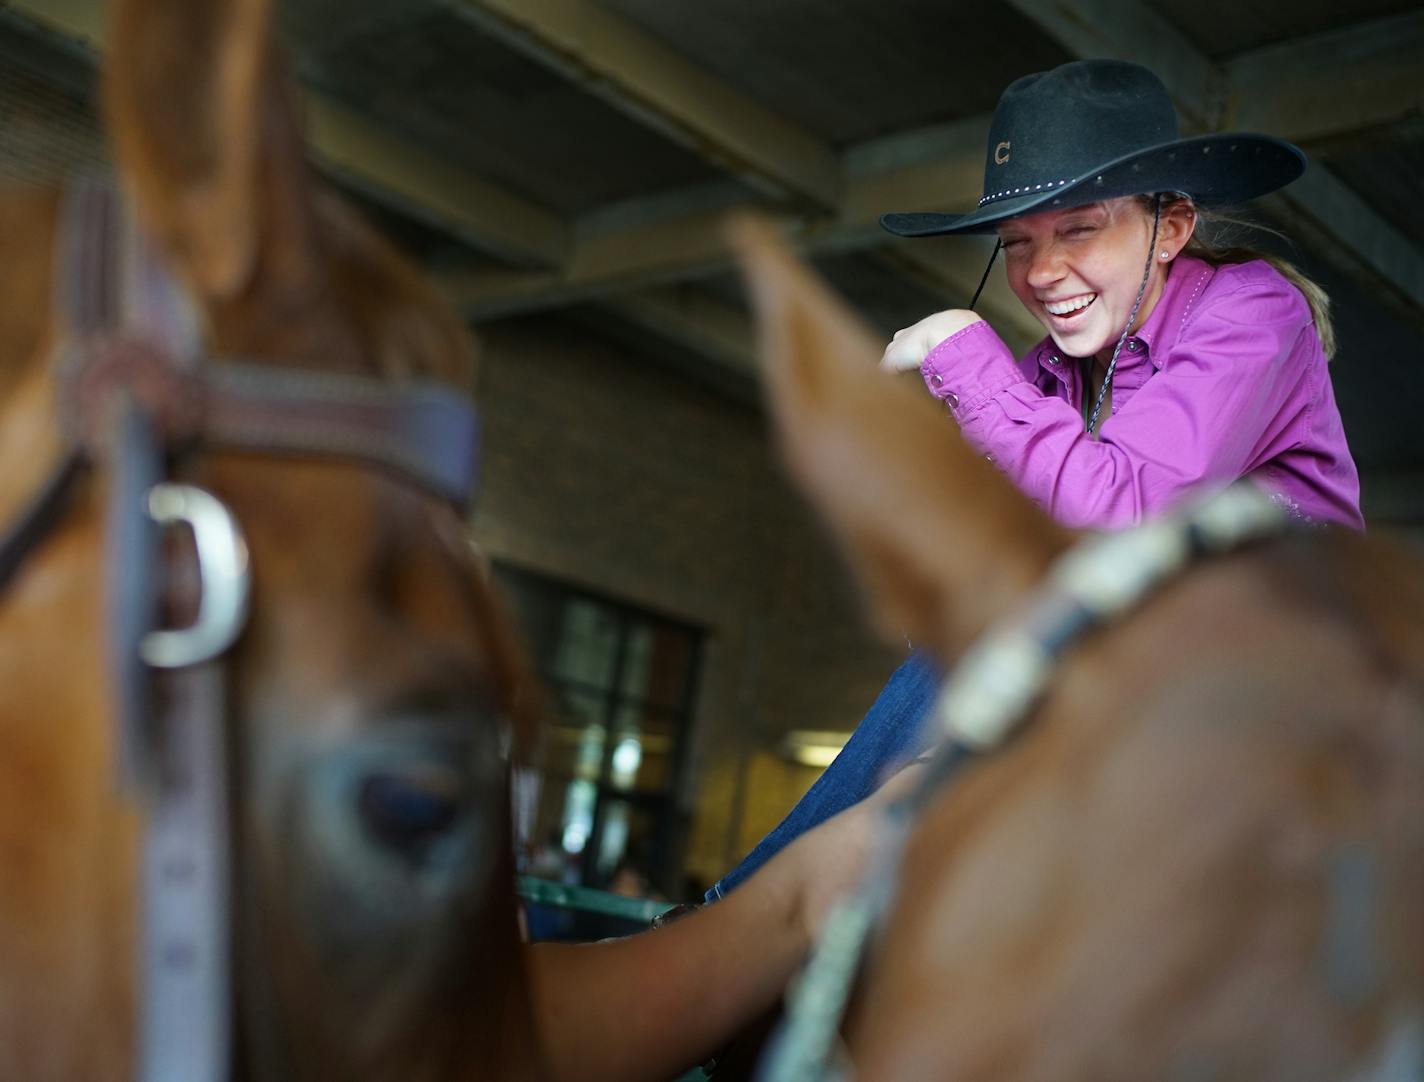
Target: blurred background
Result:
[562, 166]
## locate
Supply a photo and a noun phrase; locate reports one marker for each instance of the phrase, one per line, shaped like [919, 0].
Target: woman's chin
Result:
[1076, 343]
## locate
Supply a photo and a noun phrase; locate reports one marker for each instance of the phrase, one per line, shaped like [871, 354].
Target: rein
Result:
[137, 398]
[986, 698]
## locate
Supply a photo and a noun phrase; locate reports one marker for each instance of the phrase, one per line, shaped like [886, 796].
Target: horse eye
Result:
[409, 812]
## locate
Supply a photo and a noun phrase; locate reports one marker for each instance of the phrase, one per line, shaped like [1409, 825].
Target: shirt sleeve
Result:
[1228, 390]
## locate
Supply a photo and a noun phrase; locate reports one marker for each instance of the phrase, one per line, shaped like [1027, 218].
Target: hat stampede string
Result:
[998, 243]
[1141, 291]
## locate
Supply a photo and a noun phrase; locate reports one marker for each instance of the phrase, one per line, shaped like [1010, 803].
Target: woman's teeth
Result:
[1063, 308]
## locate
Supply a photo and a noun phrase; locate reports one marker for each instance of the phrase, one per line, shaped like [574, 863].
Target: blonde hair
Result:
[1210, 242]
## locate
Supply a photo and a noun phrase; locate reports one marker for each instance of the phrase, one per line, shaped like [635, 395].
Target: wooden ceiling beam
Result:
[610, 57]
[629, 250]
[695, 320]
[1129, 30]
[428, 188]
[382, 165]
[1331, 85]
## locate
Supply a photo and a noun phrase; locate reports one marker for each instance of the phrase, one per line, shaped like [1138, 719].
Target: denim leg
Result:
[889, 733]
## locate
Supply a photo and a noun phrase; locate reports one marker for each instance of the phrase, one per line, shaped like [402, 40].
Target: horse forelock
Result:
[362, 308]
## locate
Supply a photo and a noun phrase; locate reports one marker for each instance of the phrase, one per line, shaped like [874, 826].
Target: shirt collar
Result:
[1185, 279]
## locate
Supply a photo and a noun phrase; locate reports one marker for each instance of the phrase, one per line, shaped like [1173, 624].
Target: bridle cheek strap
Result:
[126, 377]
[136, 395]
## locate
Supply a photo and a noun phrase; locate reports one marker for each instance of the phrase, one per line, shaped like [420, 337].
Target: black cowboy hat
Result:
[1099, 129]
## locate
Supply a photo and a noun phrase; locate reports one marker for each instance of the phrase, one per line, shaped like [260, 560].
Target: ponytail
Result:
[1204, 246]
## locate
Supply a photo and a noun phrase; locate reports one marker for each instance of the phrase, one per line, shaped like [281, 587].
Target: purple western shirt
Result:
[1226, 379]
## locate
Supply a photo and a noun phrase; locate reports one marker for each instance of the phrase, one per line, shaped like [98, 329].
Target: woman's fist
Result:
[910, 346]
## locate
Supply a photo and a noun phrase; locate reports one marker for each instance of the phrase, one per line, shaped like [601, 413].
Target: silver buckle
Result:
[223, 571]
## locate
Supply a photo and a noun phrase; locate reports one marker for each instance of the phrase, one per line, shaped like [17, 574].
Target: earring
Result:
[1163, 255]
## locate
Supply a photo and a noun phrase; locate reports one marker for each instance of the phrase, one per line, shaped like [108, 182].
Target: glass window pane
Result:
[587, 645]
[574, 744]
[657, 664]
[614, 840]
[578, 815]
[619, 685]
[644, 749]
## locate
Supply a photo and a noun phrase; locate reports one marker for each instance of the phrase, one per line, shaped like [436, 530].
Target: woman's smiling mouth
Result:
[1065, 309]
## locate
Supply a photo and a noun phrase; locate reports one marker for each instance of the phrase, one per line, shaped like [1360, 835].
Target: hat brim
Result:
[1221, 169]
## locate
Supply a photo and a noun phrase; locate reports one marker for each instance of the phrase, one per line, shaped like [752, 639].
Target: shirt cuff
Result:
[969, 368]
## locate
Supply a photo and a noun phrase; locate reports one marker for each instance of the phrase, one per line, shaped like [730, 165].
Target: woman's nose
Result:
[1045, 265]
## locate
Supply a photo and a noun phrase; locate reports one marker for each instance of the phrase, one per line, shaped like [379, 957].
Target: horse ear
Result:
[206, 136]
[941, 540]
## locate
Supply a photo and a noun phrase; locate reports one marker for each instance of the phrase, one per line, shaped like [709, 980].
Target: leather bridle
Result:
[137, 398]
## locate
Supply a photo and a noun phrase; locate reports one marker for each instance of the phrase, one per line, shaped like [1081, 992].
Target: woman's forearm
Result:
[652, 1004]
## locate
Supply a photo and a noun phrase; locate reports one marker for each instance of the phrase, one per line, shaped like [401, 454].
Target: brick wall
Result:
[46, 131]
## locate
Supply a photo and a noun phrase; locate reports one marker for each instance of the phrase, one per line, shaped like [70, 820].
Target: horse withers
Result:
[359, 734]
[1198, 854]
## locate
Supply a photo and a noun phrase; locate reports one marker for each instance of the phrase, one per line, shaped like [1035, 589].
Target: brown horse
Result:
[1200, 858]
[372, 649]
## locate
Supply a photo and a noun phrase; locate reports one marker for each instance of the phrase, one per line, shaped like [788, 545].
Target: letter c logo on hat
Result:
[1001, 153]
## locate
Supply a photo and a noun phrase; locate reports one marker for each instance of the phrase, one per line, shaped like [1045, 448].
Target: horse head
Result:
[374, 695]
[1196, 854]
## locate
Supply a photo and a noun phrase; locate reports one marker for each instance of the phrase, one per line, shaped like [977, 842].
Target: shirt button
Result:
[952, 398]
[1053, 359]
[937, 379]
[1133, 345]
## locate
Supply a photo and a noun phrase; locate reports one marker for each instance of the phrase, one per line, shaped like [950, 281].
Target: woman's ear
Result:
[1176, 226]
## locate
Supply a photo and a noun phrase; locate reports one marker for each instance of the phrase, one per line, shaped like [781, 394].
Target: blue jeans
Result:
[887, 736]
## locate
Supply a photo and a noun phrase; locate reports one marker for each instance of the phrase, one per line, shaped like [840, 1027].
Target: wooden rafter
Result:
[382, 164]
[610, 57]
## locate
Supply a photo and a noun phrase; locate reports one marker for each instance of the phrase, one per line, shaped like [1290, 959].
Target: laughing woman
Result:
[1168, 365]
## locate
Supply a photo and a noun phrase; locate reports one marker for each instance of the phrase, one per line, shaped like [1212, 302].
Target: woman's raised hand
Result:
[910, 346]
